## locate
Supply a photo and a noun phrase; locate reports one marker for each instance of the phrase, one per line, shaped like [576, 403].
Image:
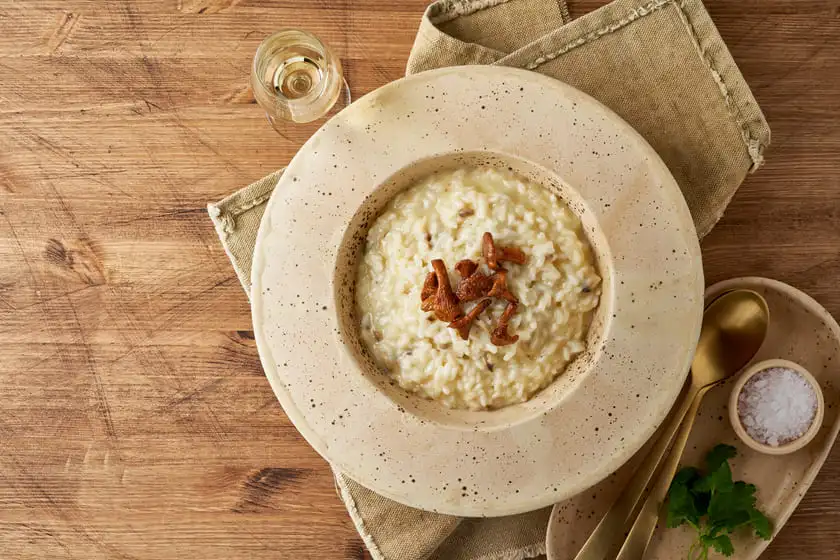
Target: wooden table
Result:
[136, 422]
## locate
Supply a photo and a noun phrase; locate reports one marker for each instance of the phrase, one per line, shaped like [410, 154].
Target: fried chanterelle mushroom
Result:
[499, 288]
[473, 285]
[464, 324]
[495, 255]
[428, 292]
[466, 268]
[446, 304]
[500, 336]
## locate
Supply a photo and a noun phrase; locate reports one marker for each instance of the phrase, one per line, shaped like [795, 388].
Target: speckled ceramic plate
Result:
[590, 420]
[802, 331]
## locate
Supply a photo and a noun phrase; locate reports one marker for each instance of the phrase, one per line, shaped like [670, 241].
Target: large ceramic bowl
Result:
[594, 416]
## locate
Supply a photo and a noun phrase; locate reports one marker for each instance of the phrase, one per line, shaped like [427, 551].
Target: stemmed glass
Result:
[297, 79]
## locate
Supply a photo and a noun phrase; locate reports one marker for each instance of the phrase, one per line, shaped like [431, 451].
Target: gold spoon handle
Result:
[608, 534]
[637, 540]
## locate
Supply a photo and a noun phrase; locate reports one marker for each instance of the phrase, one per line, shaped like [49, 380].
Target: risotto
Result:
[444, 217]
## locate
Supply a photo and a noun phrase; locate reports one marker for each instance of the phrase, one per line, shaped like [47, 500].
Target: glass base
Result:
[297, 130]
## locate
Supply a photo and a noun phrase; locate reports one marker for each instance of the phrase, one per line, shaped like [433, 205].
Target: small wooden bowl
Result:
[790, 446]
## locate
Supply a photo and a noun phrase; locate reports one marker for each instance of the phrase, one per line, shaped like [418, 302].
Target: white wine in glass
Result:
[296, 78]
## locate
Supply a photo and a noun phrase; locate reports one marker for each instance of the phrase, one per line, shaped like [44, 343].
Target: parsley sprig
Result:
[713, 505]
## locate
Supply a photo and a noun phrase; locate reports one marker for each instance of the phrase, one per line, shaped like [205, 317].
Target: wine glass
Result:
[297, 79]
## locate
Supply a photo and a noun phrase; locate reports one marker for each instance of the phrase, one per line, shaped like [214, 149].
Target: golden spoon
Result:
[734, 327]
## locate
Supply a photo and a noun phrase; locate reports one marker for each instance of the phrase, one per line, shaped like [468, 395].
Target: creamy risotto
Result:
[444, 217]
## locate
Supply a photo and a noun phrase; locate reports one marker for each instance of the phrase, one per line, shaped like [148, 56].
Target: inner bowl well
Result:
[344, 284]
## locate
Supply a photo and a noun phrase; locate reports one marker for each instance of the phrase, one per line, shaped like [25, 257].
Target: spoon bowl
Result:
[734, 326]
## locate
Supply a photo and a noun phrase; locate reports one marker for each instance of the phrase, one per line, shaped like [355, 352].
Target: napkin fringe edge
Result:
[564, 11]
[225, 226]
[449, 10]
[755, 148]
[523, 553]
[612, 27]
[356, 517]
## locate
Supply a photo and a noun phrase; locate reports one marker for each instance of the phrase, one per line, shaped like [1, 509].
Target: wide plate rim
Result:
[430, 500]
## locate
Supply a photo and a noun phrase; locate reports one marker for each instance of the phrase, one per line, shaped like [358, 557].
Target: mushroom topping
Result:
[466, 268]
[427, 293]
[464, 324]
[500, 289]
[511, 254]
[473, 284]
[488, 249]
[445, 303]
[475, 287]
[429, 286]
[495, 255]
[500, 336]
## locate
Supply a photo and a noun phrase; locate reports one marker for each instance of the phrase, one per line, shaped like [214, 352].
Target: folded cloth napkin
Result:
[663, 67]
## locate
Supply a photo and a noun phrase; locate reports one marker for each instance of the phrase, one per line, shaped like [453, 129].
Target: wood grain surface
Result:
[135, 421]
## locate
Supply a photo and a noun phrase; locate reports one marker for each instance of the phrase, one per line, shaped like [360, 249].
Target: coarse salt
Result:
[777, 406]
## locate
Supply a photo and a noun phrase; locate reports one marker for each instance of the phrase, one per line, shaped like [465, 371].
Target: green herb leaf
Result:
[686, 476]
[722, 544]
[763, 527]
[719, 480]
[682, 507]
[714, 505]
[732, 508]
[681, 501]
[719, 455]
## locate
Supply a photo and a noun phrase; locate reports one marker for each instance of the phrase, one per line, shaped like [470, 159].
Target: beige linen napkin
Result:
[663, 67]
